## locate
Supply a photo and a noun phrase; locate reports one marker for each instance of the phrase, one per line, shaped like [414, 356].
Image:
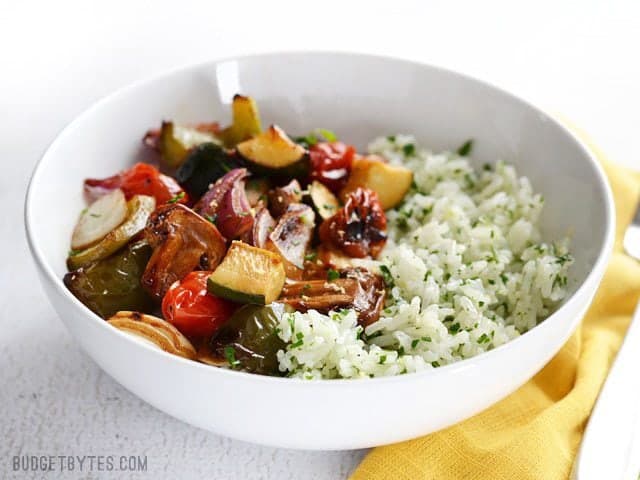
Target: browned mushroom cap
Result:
[182, 241]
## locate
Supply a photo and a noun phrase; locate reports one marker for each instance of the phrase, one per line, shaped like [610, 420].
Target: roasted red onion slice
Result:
[226, 204]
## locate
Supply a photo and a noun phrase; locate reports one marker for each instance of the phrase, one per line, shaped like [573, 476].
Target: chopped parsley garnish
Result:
[487, 167]
[383, 358]
[177, 198]
[307, 141]
[484, 338]
[386, 276]
[391, 138]
[449, 318]
[230, 355]
[401, 350]
[332, 275]
[311, 256]
[95, 215]
[425, 339]
[469, 180]
[328, 135]
[454, 328]
[465, 148]
[415, 342]
[491, 281]
[562, 259]
[504, 278]
[299, 342]
[435, 364]
[402, 223]
[409, 149]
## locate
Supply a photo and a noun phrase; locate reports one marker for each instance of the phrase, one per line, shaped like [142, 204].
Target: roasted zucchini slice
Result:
[248, 275]
[390, 182]
[324, 201]
[273, 153]
[246, 121]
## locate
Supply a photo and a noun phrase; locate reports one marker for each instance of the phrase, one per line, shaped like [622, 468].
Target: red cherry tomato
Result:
[141, 179]
[331, 163]
[192, 309]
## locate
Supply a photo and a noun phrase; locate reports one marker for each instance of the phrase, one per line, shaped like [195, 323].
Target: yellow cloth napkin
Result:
[535, 432]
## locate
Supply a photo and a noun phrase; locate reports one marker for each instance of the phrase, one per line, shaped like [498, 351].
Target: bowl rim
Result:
[605, 250]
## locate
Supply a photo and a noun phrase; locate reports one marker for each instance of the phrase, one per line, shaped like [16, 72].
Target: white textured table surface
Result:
[577, 58]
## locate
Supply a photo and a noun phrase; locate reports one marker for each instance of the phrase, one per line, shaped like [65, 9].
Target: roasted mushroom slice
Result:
[356, 288]
[292, 234]
[370, 294]
[182, 241]
[155, 330]
[281, 197]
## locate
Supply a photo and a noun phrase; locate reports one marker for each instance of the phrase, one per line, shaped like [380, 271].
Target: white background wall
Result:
[580, 59]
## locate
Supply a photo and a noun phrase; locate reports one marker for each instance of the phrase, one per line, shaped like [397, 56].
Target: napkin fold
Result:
[535, 432]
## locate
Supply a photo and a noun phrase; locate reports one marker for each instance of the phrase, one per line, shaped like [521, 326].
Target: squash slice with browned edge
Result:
[248, 275]
[176, 141]
[390, 182]
[246, 121]
[273, 153]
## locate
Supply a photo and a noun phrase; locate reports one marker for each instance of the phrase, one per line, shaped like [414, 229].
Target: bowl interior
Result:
[359, 97]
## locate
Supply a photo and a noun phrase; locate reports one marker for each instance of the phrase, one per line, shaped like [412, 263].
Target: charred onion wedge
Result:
[226, 204]
[155, 330]
[182, 241]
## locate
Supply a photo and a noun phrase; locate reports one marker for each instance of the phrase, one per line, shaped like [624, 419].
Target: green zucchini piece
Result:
[246, 121]
[273, 153]
[324, 201]
[203, 166]
[177, 140]
[248, 275]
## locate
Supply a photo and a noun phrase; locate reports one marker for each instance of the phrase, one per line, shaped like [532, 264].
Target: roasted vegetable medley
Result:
[236, 226]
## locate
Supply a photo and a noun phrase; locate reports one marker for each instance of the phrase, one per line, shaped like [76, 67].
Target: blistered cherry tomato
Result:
[358, 228]
[192, 309]
[141, 179]
[331, 163]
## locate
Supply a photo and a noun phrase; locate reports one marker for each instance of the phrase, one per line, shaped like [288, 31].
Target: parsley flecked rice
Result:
[465, 267]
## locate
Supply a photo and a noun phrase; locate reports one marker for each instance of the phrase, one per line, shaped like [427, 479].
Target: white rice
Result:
[466, 271]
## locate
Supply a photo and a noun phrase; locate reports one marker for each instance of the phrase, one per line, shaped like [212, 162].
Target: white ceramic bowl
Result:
[360, 97]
